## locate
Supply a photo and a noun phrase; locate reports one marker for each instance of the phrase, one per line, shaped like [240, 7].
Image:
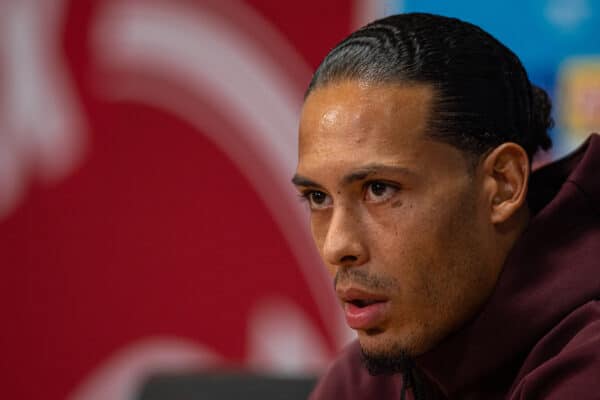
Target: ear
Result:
[506, 175]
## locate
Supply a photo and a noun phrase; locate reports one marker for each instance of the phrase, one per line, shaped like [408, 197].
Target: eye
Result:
[378, 192]
[317, 200]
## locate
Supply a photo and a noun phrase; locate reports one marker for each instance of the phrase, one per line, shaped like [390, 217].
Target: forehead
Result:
[353, 121]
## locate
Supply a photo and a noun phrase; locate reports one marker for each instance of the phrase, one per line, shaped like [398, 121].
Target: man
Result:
[464, 276]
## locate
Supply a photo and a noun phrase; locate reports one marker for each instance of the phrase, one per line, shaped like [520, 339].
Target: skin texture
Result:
[401, 216]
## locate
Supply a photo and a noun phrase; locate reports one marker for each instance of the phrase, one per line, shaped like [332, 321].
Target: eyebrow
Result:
[300, 180]
[357, 175]
[374, 168]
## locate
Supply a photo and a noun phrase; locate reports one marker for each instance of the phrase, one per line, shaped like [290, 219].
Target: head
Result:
[415, 143]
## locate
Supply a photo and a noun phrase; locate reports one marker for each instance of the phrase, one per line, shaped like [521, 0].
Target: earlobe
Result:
[506, 170]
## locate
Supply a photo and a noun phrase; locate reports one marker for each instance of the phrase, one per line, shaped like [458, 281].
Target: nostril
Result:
[346, 259]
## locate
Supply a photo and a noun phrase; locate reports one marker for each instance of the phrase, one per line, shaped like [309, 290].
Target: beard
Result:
[387, 363]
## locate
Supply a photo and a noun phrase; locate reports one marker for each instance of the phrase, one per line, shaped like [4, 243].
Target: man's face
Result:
[397, 218]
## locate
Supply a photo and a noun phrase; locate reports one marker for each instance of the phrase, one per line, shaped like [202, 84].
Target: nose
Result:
[344, 243]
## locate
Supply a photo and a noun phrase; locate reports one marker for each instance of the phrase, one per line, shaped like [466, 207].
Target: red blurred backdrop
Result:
[144, 223]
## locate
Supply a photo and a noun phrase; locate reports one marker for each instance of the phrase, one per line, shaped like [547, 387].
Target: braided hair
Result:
[483, 96]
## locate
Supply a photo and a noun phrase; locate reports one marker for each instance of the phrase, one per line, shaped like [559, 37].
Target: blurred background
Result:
[147, 223]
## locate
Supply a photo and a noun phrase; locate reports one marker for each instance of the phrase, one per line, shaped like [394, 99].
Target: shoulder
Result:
[565, 364]
[348, 379]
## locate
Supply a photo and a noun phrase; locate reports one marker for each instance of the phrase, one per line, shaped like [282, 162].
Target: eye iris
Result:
[317, 197]
[378, 189]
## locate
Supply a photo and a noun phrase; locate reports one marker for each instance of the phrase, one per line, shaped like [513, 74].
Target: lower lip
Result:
[365, 317]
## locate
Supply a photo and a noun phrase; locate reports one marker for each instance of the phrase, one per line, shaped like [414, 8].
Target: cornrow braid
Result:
[483, 95]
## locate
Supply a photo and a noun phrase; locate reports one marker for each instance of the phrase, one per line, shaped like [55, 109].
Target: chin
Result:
[389, 342]
[376, 341]
[383, 356]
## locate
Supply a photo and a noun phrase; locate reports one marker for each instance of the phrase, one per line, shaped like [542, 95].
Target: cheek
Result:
[449, 264]
[419, 246]
[319, 226]
[412, 262]
[401, 247]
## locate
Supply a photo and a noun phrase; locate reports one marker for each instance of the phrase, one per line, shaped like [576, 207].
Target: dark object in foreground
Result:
[225, 386]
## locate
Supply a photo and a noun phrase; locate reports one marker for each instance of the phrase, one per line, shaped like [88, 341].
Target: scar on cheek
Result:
[396, 203]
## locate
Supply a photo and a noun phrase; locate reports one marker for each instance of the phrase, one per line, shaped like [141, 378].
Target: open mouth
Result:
[363, 310]
[360, 303]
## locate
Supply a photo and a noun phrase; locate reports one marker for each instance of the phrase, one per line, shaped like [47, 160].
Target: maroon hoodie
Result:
[538, 335]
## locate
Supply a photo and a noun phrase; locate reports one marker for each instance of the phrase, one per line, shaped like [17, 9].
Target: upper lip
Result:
[359, 296]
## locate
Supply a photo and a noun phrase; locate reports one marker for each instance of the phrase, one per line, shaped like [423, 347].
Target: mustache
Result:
[358, 276]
